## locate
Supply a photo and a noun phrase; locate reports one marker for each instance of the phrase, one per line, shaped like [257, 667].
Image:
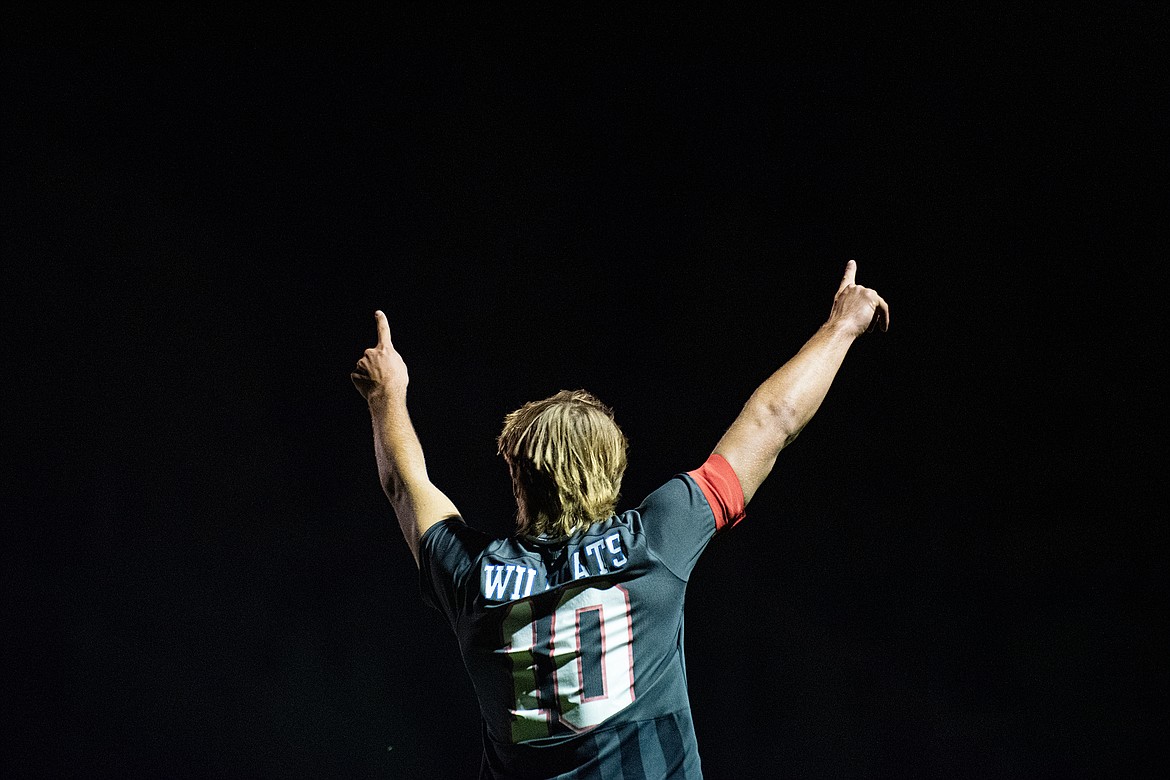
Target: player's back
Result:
[575, 645]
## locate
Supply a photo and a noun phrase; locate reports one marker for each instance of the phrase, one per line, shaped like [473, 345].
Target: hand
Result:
[858, 309]
[381, 372]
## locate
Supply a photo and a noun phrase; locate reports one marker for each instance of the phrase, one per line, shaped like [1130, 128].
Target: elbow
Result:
[782, 419]
[394, 487]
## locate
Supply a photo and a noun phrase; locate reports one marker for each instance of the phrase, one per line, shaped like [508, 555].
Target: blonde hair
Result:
[567, 457]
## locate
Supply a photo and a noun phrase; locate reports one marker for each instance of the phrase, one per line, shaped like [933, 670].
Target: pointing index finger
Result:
[383, 328]
[850, 274]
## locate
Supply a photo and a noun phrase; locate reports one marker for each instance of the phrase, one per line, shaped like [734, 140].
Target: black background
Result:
[959, 570]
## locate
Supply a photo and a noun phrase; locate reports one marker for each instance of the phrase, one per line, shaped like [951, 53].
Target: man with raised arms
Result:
[571, 628]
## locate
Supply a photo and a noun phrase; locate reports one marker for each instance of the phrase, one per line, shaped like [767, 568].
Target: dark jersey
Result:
[575, 645]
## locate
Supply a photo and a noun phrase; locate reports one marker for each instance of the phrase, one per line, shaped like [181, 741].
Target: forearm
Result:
[782, 405]
[402, 471]
[397, 448]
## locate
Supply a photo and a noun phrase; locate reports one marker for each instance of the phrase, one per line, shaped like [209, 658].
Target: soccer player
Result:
[571, 628]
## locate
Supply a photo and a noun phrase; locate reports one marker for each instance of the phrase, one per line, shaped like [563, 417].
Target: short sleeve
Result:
[721, 487]
[445, 555]
[681, 517]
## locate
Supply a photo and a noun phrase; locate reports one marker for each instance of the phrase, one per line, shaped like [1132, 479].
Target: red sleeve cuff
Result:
[721, 487]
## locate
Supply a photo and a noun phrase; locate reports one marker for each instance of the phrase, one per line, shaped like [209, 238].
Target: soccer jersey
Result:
[575, 645]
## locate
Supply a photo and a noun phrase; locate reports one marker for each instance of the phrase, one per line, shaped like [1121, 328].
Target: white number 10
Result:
[588, 650]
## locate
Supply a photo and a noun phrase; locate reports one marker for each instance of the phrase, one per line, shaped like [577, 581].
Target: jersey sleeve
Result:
[721, 488]
[682, 516]
[446, 553]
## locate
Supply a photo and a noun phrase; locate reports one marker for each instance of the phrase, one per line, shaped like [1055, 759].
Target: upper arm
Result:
[778, 410]
[749, 447]
[435, 508]
[419, 506]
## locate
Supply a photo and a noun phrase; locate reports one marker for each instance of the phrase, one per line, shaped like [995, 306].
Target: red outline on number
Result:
[555, 710]
[628, 615]
[549, 712]
[552, 714]
[600, 610]
[509, 649]
[629, 638]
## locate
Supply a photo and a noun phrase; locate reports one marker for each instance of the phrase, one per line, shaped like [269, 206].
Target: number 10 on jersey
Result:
[575, 666]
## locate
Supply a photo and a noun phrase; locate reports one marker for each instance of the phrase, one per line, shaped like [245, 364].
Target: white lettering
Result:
[495, 580]
[613, 543]
[520, 582]
[579, 571]
[595, 550]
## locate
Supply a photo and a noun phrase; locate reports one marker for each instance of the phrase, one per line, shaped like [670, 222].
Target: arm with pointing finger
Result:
[780, 407]
[381, 377]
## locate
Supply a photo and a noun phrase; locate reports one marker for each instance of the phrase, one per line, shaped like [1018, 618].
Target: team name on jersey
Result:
[508, 582]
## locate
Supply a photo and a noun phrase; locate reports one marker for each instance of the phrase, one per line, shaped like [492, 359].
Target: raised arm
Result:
[381, 378]
[780, 407]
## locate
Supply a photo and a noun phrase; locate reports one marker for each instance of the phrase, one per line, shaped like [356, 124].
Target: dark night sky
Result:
[957, 570]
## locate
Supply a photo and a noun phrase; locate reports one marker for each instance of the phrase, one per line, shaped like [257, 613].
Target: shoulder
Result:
[453, 545]
[679, 493]
[451, 556]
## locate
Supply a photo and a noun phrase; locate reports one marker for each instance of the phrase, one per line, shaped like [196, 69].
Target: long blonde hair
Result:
[567, 457]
